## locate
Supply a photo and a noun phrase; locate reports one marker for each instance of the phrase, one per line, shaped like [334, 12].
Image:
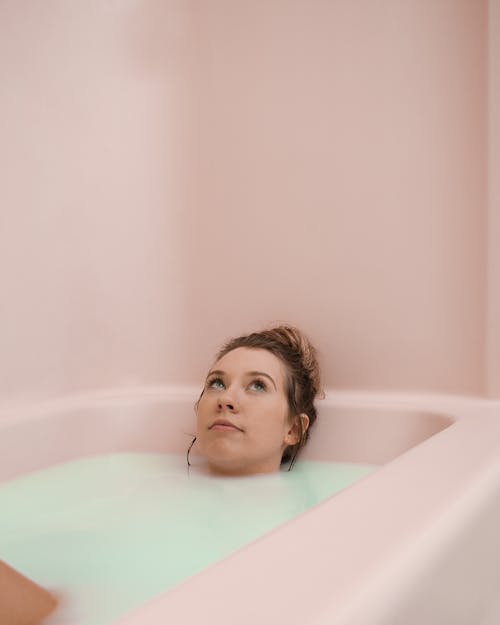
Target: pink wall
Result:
[341, 184]
[493, 310]
[174, 173]
[93, 156]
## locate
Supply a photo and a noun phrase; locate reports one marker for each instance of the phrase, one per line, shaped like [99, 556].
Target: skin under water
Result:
[108, 533]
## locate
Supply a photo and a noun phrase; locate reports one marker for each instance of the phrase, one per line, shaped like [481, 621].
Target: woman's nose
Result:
[227, 401]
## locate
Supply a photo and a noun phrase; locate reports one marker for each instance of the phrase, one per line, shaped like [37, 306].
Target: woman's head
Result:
[257, 405]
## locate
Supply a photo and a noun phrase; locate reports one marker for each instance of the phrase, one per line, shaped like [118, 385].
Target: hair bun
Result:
[308, 354]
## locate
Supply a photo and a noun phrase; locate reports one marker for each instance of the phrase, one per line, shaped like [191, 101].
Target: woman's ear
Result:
[295, 433]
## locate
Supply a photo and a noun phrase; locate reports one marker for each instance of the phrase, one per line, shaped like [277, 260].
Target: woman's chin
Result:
[225, 463]
[222, 449]
[224, 456]
[229, 464]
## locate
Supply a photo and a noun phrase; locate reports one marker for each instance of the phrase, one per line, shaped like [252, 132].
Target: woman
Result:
[257, 406]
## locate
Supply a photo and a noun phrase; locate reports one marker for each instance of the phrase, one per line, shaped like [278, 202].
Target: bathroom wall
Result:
[341, 185]
[176, 172]
[93, 120]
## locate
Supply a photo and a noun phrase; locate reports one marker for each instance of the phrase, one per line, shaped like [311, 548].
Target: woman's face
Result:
[243, 421]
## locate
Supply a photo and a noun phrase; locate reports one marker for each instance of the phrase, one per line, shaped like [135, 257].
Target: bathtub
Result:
[415, 542]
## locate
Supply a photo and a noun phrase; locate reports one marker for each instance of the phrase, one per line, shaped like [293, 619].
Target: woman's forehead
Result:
[245, 359]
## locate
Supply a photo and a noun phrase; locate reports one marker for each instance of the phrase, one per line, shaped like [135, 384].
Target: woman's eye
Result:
[215, 383]
[258, 385]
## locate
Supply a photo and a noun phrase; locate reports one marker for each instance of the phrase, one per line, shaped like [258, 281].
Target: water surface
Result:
[110, 532]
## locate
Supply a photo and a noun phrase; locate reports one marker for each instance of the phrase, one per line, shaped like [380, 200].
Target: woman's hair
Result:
[299, 356]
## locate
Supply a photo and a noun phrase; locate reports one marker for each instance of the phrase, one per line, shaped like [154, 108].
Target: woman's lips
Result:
[224, 426]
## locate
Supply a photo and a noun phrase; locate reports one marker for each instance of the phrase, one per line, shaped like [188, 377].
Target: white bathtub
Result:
[415, 543]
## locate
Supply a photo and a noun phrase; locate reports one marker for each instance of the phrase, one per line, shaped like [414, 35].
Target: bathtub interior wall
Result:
[175, 173]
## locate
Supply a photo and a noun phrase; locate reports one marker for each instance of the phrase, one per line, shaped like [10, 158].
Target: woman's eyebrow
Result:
[266, 375]
[215, 372]
[249, 373]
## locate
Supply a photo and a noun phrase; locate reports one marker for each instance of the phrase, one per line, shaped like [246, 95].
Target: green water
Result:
[110, 532]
